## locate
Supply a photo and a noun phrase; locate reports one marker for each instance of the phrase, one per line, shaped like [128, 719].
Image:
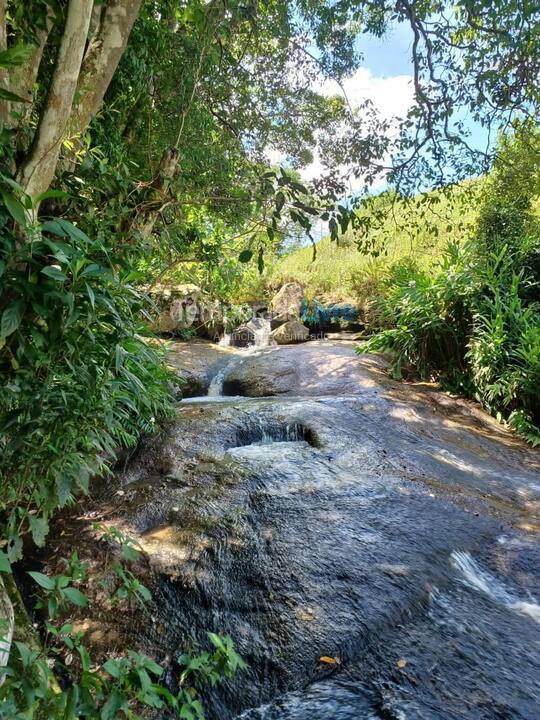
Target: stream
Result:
[371, 547]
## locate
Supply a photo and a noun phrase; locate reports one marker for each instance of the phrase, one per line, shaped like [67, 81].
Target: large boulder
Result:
[177, 306]
[287, 303]
[293, 331]
[183, 306]
[243, 336]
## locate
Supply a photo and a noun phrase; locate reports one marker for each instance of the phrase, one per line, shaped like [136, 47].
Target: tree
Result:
[478, 57]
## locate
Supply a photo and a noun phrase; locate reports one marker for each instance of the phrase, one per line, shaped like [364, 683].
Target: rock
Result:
[196, 363]
[211, 319]
[242, 336]
[287, 303]
[271, 375]
[178, 305]
[314, 368]
[293, 331]
[191, 384]
[303, 550]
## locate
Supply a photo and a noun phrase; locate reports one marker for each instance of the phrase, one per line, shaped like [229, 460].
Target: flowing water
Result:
[261, 329]
[373, 554]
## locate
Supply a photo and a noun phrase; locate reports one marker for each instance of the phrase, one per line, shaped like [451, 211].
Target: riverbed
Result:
[371, 546]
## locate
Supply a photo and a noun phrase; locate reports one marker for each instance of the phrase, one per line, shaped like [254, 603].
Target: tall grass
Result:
[401, 233]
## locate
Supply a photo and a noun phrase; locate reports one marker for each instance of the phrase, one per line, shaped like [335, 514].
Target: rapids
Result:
[372, 547]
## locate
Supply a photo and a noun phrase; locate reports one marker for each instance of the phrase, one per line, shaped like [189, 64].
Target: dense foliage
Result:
[155, 122]
[475, 322]
[79, 381]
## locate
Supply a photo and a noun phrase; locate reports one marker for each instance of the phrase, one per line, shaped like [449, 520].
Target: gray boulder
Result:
[287, 303]
[293, 331]
[242, 336]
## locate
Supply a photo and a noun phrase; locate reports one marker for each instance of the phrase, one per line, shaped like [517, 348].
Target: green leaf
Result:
[111, 666]
[63, 489]
[42, 580]
[50, 194]
[54, 227]
[85, 658]
[91, 296]
[15, 208]
[54, 273]
[15, 56]
[11, 318]
[114, 704]
[39, 527]
[73, 231]
[129, 552]
[245, 256]
[15, 549]
[28, 656]
[76, 596]
[5, 565]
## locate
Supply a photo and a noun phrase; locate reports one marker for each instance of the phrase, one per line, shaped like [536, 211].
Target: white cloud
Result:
[392, 96]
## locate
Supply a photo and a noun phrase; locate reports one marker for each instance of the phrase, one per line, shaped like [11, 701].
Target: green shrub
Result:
[474, 322]
[78, 381]
[426, 317]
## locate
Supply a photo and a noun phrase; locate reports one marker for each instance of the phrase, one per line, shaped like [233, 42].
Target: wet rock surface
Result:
[196, 363]
[312, 369]
[387, 528]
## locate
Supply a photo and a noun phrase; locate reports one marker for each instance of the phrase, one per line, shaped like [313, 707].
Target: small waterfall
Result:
[479, 579]
[262, 329]
[259, 327]
[215, 389]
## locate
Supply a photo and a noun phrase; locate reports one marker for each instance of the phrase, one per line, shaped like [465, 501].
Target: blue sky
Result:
[385, 76]
[390, 56]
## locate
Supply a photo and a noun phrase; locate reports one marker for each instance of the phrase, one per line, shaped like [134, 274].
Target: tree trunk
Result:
[37, 172]
[23, 78]
[101, 59]
[7, 619]
[4, 77]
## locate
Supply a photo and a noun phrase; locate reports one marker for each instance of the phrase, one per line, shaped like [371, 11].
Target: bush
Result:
[426, 317]
[474, 322]
[77, 379]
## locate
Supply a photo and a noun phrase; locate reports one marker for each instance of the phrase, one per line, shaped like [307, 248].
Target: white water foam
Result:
[215, 389]
[261, 329]
[479, 579]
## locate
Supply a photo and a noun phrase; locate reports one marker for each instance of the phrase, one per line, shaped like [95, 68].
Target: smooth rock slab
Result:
[395, 534]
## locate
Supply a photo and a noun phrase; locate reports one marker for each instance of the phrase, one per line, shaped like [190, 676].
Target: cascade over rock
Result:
[366, 543]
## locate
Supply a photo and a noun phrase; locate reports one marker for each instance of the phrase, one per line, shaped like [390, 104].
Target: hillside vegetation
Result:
[473, 319]
[412, 233]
